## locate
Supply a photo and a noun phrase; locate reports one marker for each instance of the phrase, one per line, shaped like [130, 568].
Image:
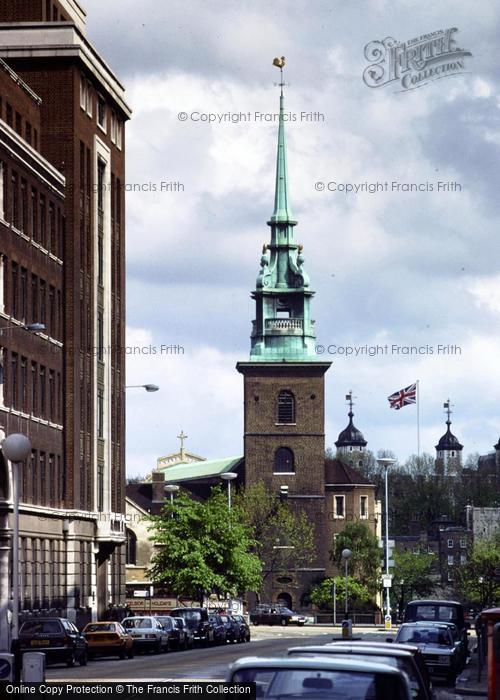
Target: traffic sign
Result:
[388, 622]
[387, 580]
[6, 667]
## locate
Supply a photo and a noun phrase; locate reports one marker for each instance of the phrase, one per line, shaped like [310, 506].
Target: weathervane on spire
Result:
[280, 63]
[447, 406]
[349, 398]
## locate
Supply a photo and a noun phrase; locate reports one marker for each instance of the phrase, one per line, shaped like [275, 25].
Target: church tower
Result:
[284, 423]
[448, 449]
[351, 444]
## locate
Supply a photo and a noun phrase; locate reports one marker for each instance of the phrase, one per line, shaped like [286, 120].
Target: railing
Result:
[287, 325]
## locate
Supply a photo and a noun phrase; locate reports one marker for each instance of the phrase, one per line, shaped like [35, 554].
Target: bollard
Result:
[346, 629]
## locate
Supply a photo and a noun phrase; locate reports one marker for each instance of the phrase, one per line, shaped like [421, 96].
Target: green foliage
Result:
[364, 563]
[283, 539]
[476, 580]
[322, 594]
[412, 576]
[202, 548]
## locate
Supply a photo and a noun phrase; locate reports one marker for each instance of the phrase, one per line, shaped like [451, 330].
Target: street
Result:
[211, 663]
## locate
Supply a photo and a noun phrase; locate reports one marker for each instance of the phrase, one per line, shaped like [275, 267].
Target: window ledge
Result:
[285, 424]
[284, 473]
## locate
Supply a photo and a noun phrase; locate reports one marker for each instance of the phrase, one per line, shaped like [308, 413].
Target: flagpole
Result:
[418, 419]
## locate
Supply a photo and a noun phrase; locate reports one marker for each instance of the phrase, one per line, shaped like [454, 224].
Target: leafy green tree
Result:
[283, 539]
[357, 594]
[412, 576]
[204, 548]
[476, 580]
[364, 563]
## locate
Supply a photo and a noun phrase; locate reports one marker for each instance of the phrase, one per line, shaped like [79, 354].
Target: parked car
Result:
[219, 627]
[392, 655]
[186, 632]
[108, 638]
[173, 632]
[440, 611]
[320, 677]
[243, 628]
[58, 638]
[197, 620]
[147, 632]
[231, 626]
[275, 615]
[435, 640]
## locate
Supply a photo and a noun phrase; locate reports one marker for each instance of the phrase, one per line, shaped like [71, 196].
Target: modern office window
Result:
[52, 480]
[284, 461]
[100, 336]
[24, 294]
[34, 215]
[339, 506]
[100, 260]
[35, 315]
[9, 116]
[43, 302]
[43, 221]
[14, 200]
[14, 298]
[29, 133]
[43, 395]
[24, 385]
[52, 312]
[14, 392]
[101, 167]
[34, 476]
[23, 211]
[52, 229]
[100, 488]
[34, 388]
[52, 395]
[43, 478]
[100, 413]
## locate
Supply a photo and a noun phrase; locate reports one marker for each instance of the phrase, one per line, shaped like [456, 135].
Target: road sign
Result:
[381, 543]
[387, 580]
[6, 667]
[388, 622]
[391, 562]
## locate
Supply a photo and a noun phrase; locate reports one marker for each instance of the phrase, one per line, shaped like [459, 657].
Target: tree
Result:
[412, 576]
[204, 548]
[283, 539]
[476, 580]
[364, 563]
[322, 594]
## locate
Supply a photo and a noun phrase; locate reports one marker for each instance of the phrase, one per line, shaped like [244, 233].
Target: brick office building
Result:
[81, 132]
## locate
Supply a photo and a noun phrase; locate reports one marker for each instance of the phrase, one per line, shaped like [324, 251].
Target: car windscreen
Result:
[284, 683]
[166, 622]
[100, 628]
[137, 623]
[424, 635]
[439, 613]
[41, 627]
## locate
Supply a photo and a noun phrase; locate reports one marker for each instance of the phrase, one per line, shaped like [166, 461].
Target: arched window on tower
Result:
[131, 551]
[286, 407]
[284, 461]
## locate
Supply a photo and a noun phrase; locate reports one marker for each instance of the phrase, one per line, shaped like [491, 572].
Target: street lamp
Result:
[346, 555]
[16, 448]
[228, 476]
[386, 462]
[30, 327]
[149, 387]
[171, 489]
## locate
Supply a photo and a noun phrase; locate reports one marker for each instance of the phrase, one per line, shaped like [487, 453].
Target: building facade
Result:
[75, 119]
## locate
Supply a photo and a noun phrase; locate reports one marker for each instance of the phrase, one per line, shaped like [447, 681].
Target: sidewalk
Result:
[467, 683]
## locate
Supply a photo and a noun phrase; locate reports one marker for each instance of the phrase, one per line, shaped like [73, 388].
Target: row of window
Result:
[29, 211]
[43, 481]
[339, 509]
[16, 121]
[451, 543]
[105, 116]
[28, 298]
[451, 559]
[52, 13]
[30, 388]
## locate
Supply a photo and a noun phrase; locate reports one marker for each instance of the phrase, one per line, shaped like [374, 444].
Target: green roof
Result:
[201, 470]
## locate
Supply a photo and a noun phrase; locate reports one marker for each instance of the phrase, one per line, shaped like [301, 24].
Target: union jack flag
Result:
[404, 397]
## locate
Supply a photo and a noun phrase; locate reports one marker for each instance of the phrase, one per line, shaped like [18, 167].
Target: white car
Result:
[147, 632]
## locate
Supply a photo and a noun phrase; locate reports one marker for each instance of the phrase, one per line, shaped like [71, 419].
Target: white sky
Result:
[396, 268]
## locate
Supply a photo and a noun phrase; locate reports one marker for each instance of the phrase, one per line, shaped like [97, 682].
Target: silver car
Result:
[320, 678]
[401, 659]
[147, 632]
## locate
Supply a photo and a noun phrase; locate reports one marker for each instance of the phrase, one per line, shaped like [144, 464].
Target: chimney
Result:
[158, 486]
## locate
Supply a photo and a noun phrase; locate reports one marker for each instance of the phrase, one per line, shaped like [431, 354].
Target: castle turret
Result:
[448, 449]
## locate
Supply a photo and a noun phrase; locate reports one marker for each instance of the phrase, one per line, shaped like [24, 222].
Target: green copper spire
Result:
[282, 211]
[283, 329]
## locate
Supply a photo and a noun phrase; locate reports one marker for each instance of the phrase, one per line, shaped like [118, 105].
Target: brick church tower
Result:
[284, 423]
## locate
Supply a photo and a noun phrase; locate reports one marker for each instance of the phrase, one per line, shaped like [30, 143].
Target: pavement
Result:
[471, 681]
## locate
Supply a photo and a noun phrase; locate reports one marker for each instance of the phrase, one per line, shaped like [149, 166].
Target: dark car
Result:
[275, 615]
[197, 620]
[435, 640]
[440, 611]
[219, 627]
[243, 628]
[186, 632]
[58, 638]
[231, 626]
[174, 634]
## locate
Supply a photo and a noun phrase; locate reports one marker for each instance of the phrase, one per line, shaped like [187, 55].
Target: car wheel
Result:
[284, 622]
[130, 653]
[70, 661]
[83, 659]
[451, 679]
[157, 647]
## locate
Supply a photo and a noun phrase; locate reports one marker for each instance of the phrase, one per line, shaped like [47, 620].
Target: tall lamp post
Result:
[386, 462]
[228, 476]
[346, 555]
[149, 387]
[16, 448]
